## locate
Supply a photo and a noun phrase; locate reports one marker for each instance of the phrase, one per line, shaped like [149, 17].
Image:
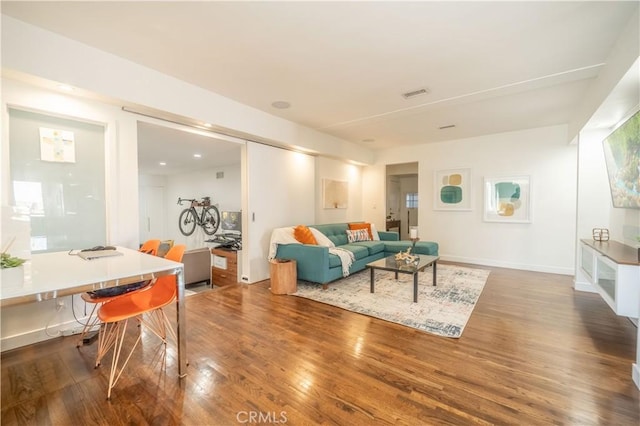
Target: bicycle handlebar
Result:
[193, 200]
[180, 200]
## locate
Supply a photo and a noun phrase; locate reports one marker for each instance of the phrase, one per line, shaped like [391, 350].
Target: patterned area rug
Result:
[443, 310]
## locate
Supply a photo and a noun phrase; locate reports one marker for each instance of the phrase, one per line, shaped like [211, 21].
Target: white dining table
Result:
[58, 274]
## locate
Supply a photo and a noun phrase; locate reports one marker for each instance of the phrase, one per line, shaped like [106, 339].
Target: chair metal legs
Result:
[119, 330]
[113, 334]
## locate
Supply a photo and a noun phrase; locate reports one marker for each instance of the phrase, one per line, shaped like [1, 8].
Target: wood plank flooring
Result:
[534, 352]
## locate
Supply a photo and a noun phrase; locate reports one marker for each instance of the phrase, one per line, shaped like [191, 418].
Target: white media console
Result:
[613, 269]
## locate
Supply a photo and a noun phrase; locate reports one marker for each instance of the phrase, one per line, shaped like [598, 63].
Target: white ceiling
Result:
[490, 67]
[177, 149]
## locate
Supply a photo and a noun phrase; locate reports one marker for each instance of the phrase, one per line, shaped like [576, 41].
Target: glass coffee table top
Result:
[391, 264]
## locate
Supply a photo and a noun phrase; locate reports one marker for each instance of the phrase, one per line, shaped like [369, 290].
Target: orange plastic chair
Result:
[116, 314]
[149, 247]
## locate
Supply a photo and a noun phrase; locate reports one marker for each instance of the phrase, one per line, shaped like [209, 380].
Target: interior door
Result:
[412, 219]
[151, 213]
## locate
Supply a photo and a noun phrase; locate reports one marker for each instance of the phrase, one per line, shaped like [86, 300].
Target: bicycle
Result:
[208, 218]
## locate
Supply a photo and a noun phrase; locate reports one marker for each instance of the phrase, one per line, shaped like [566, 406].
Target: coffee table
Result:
[390, 264]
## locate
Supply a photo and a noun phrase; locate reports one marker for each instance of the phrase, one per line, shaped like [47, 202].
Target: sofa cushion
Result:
[372, 246]
[336, 232]
[421, 247]
[304, 235]
[358, 235]
[360, 252]
[334, 261]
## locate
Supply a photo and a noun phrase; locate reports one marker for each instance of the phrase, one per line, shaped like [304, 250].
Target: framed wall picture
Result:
[452, 189]
[335, 194]
[507, 199]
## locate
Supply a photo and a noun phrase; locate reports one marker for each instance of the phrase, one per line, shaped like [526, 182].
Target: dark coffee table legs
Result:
[434, 272]
[415, 277]
[372, 269]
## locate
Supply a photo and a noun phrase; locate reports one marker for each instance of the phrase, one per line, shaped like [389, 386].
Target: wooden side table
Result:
[284, 279]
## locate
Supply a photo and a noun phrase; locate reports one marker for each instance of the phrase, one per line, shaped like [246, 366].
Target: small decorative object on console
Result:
[600, 234]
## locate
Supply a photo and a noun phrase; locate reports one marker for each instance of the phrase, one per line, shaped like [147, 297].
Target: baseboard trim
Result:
[36, 336]
[509, 265]
[583, 286]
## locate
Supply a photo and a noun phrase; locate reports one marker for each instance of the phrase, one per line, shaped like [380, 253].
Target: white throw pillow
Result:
[374, 233]
[322, 239]
[357, 235]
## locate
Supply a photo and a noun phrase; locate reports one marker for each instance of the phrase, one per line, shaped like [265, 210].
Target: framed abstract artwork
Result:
[507, 199]
[622, 157]
[452, 189]
[335, 194]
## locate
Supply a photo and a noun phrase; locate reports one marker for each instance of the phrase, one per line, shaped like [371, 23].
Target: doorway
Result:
[402, 198]
[178, 162]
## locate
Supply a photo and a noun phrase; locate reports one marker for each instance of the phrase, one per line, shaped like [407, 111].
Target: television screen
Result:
[622, 155]
[231, 221]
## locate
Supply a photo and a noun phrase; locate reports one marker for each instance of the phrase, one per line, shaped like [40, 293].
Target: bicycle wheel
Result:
[211, 220]
[187, 222]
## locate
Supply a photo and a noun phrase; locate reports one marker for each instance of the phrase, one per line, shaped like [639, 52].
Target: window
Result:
[63, 194]
[412, 200]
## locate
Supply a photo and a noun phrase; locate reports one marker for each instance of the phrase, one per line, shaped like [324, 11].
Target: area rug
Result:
[443, 310]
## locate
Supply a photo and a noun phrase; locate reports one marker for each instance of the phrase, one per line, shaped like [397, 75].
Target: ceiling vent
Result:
[448, 126]
[415, 93]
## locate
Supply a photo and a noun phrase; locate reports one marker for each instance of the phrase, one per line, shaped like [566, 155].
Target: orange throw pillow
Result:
[304, 235]
[356, 226]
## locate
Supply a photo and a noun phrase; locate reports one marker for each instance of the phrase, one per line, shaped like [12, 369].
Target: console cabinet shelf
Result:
[614, 271]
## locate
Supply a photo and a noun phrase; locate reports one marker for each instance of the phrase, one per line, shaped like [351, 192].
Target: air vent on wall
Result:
[414, 93]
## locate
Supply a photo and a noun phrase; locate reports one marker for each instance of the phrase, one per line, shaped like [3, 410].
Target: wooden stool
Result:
[283, 276]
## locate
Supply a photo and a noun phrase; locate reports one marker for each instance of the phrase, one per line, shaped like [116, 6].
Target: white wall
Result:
[278, 193]
[547, 244]
[225, 194]
[327, 168]
[594, 196]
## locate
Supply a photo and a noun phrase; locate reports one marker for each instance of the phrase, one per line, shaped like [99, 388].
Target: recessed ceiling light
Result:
[206, 124]
[281, 104]
[197, 155]
[162, 163]
[65, 87]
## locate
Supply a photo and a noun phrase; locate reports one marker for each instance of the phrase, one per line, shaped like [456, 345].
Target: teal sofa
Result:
[315, 264]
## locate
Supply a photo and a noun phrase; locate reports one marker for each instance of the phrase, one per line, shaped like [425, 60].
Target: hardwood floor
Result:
[534, 352]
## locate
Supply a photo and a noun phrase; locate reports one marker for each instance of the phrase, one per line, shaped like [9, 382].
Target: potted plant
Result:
[7, 261]
[11, 267]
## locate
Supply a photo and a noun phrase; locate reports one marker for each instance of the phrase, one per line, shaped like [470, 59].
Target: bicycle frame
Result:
[208, 218]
